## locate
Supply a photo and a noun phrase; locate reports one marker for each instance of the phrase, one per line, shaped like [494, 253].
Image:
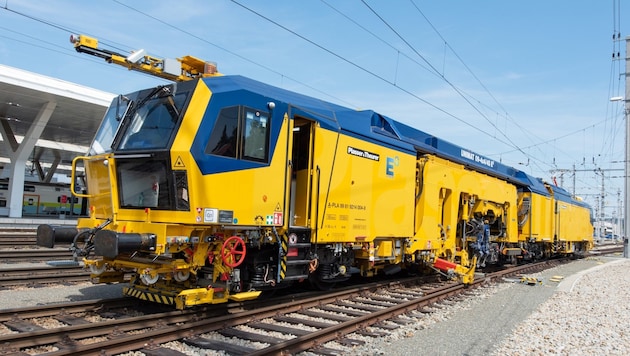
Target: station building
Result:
[44, 123]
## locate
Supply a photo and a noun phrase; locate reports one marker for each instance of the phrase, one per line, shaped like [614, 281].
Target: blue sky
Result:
[523, 82]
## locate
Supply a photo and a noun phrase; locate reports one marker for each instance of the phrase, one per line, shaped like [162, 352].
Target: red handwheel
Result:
[233, 251]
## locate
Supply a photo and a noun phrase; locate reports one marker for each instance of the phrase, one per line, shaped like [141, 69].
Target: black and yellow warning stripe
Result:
[149, 296]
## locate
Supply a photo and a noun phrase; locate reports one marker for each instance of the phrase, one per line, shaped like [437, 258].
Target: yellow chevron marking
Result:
[152, 297]
[531, 280]
[283, 262]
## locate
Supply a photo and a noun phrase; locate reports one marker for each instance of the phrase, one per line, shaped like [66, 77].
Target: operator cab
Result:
[142, 121]
[138, 129]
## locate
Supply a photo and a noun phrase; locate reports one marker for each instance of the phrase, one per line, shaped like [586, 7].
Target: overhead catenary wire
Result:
[430, 70]
[469, 98]
[376, 75]
[504, 111]
[277, 72]
[247, 59]
[447, 45]
[510, 142]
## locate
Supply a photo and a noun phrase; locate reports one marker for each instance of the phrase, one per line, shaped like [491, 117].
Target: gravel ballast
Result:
[588, 317]
[22, 297]
[586, 313]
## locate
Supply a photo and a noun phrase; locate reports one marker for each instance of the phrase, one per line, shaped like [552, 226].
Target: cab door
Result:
[301, 173]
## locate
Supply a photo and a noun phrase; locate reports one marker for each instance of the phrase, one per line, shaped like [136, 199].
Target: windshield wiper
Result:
[153, 93]
[121, 98]
[171, 108]
[163, 92]
[132, 108]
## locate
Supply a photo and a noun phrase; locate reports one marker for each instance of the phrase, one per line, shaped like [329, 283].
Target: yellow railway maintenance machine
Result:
[217, 188]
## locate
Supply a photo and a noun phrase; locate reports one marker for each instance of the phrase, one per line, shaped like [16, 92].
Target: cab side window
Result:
[242, 133]
[255, 136]
[224, 135]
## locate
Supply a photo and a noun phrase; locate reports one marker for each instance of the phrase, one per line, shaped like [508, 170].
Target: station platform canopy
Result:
[44, 123]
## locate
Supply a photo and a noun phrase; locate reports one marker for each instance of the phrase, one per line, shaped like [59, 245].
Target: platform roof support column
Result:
[20, 156]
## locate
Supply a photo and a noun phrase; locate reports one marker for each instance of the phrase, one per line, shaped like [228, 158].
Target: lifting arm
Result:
[180, 69]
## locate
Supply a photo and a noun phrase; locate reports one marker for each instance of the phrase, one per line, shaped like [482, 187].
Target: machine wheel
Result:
[233, 251]
[148, 280]
[97, 270]
[181, 276]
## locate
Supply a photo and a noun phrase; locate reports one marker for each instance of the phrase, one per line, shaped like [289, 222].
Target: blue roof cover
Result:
[372, 126]
[330, 116]
[562, 195]
[321, 110]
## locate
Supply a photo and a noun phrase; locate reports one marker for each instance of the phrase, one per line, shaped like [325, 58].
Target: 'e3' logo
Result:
[390, 163]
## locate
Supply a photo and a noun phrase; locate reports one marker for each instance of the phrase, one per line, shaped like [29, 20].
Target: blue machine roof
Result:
[562, 195]
[377, 128]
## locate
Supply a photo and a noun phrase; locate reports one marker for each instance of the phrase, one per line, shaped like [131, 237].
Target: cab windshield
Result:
[109, 126]
[143, 120]
[151, 122]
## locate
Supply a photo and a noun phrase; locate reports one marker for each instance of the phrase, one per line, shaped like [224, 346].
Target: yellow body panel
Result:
[572, 226]
[549, 220]
[255, 196]
[224, 191]
[358, 200]
[97, 171]
[439, 207]
[180, 151]
[539, 225]
[385, 249]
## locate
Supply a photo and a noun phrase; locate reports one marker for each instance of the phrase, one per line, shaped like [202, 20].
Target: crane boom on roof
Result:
[178, 70]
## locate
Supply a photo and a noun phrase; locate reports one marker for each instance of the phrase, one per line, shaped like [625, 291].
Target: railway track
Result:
[18, 236]
[279, 327]
[62, 253]
[86, 306]
[45, 274]
[34, 255]
[306, 323]
[606, 250]
[69, 271]
[17, 240]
